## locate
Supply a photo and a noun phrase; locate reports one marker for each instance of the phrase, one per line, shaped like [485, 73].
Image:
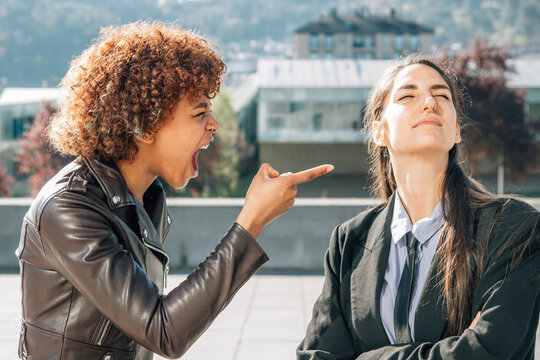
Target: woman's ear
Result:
[146, 139]
[378, 133]
[458, 133]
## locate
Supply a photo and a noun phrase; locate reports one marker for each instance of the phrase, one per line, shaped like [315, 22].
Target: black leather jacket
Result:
[93, 269]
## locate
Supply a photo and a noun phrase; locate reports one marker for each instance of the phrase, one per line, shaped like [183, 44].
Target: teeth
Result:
[205, 146]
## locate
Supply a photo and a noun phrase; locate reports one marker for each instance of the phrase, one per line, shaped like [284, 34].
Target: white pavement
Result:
[266, 319]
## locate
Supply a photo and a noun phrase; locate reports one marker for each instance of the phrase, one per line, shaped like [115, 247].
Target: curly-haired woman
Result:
[441, 269]
[136, 105]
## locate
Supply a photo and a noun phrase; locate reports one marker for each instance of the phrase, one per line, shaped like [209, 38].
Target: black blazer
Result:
[346, 321]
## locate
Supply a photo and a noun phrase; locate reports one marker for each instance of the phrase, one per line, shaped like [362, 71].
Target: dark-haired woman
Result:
[136, 106]
[441, 269]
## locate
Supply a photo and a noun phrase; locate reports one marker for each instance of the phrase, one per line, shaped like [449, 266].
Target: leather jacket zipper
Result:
[165, 273]
[104, 332]
[166, 268]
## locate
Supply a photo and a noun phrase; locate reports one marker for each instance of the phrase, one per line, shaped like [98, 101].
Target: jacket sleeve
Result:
[328, 336]
[79, 243]
[508, 296]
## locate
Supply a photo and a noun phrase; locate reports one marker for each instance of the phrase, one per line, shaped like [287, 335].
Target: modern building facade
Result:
[361, 36]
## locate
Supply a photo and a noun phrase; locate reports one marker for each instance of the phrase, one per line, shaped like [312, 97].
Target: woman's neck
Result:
[419, 184]
[137, 178]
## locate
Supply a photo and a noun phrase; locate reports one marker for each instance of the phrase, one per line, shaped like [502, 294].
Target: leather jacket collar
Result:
[114, 186]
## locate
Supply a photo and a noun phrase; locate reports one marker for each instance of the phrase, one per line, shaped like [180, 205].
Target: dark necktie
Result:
[404, 293]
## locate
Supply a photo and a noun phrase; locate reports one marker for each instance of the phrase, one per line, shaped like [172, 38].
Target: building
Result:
[361, 36]
[309, 112]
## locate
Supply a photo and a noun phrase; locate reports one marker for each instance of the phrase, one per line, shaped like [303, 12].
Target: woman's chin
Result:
[181, 183]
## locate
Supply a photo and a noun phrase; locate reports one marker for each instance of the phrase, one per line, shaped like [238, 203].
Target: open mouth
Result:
[195, 160]
[195, 163]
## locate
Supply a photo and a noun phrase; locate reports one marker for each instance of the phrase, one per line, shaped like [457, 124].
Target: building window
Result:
[314, 41]
[277, 107]
[16, 119]
[414, 41]
[368, 41]
[399, 42]
[299, 115]
[277, 112]
[341, 55]
[349, 115]
[329, 41]
[322, 116]
[341, 39]
[534, 112]
[314, 55]
[296, 106]
[386, 39]
[368, 56]
[316, 121]
[358, 41]
[329, 55]
[276, 122]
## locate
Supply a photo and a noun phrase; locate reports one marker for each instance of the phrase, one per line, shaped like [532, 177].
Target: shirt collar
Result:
[423, 230]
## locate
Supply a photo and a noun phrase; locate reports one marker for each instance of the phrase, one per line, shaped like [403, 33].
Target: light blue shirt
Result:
[428, 233]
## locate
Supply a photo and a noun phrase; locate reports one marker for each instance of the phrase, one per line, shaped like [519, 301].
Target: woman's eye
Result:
[200, 114]
[405, 96]
[443, 96]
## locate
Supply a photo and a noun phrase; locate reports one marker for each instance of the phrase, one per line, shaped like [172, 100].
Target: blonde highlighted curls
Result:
[127, 84]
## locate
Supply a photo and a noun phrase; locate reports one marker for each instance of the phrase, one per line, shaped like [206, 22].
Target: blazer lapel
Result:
[369, 266]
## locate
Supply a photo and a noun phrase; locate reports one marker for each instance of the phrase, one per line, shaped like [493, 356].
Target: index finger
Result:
[310, 174]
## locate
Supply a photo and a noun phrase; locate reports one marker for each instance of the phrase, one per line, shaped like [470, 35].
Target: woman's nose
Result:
[213, 124]
[430, 103]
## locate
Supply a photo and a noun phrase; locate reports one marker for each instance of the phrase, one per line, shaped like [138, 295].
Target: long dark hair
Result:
[461, 258]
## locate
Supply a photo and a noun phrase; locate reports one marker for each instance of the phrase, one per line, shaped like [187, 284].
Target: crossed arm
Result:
[506, 301]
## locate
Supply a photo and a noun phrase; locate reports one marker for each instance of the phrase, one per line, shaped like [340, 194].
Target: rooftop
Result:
[345, 73]
[307, 73]
[362, 23]
[14, 96]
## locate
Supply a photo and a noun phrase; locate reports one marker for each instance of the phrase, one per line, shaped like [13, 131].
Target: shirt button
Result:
[145, 233]
[116, 199]
[168, 220]
[107, 357]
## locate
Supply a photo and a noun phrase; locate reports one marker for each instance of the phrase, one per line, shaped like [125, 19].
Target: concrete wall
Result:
[347, 158]
[296, 241]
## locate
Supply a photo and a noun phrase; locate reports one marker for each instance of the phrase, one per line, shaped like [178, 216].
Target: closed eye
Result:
[443, 96]
[404, 97]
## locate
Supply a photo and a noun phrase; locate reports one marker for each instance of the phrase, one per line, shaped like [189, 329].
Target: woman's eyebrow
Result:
[433, 87]
[440, 86]
[408, 87]
[201, 105]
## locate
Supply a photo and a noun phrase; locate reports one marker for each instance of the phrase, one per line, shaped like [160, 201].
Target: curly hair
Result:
[127, 84]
